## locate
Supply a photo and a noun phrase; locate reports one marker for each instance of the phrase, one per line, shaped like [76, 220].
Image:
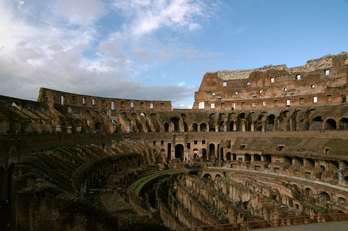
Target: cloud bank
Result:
[94, 47]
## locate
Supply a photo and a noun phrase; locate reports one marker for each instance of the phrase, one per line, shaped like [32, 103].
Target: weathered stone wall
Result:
[319, 82]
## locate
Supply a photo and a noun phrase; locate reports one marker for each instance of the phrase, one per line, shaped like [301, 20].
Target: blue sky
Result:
[157, 49]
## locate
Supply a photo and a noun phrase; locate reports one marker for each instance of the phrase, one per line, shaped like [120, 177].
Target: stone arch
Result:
[194, 127]
[318, 123]
[203, 127]
[330, 124]
[343, 124]
[212, 122]
[298, 160]
[211, 151]
[166, 127]
[324, 198]
[270, 122]
[179, 151]
[247, 158]
[175, 122]
[232, 126]
[207, 176]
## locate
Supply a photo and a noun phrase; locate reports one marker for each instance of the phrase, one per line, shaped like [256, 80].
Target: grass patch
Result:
[139, 184]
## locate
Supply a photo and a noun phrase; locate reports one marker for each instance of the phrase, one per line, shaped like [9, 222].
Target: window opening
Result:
[224, 84]
[212, 106]
[298, 77]
[272, 80]
[151, 105]
[315, 99]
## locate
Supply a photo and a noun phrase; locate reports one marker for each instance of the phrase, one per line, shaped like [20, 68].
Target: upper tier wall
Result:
[53, 97]
[320, 81]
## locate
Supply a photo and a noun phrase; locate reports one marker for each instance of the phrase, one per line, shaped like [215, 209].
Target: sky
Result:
[157, 49]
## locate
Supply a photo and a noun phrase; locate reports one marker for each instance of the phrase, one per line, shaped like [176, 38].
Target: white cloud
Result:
[181, 84]
[148, 16]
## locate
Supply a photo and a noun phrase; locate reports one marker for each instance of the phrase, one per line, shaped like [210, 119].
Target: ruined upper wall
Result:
[324, 62]
[54, 97]
[321, 81]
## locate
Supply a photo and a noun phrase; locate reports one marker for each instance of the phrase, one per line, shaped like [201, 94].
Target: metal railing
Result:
[280, 222]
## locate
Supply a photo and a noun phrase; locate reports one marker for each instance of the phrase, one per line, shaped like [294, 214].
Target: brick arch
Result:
[330, 124]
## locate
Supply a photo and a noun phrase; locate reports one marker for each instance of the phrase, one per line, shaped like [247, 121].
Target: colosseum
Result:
[259, 146]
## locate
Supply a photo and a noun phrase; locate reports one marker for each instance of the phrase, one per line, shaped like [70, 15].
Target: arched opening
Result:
[318, 123]
[166, 127]
[247, 158]
[231, 126]
[298, 161]
[175, 121]
[9, 183]
[211, 151]
[267, 158]
[270, 123]
[2, 184]
[207, 176]
[257, 157]
[98, 127]
[334, 165]
[308, 192]
[203, 127]
[288, 160]
[194, 127]
[330, 124]
[179, 152]
[234, 157]
[341, 202]
[201, 105]
[204, 153]
[195, 153]
[185, 127]
[344, 124]
[310, 163]
[324, 198]
[228, 156]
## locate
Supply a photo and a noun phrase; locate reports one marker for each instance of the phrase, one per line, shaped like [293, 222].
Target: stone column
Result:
[234, 127]
[243, 126]
[252, 126]
[216, 128]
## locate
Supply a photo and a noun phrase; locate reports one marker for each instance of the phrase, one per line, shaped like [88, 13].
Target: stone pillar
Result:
[234, 127]
[252, 127]
[225, 126]
[341, 173]
[263, 127]
[243, 126]
[216, 128]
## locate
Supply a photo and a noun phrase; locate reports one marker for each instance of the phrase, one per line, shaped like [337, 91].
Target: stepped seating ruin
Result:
[258, 144]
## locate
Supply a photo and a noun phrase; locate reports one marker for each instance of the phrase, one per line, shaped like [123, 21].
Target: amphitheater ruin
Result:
[258, 144]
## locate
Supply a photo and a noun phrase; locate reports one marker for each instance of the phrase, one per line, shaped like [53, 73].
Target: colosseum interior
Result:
[258, 144]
